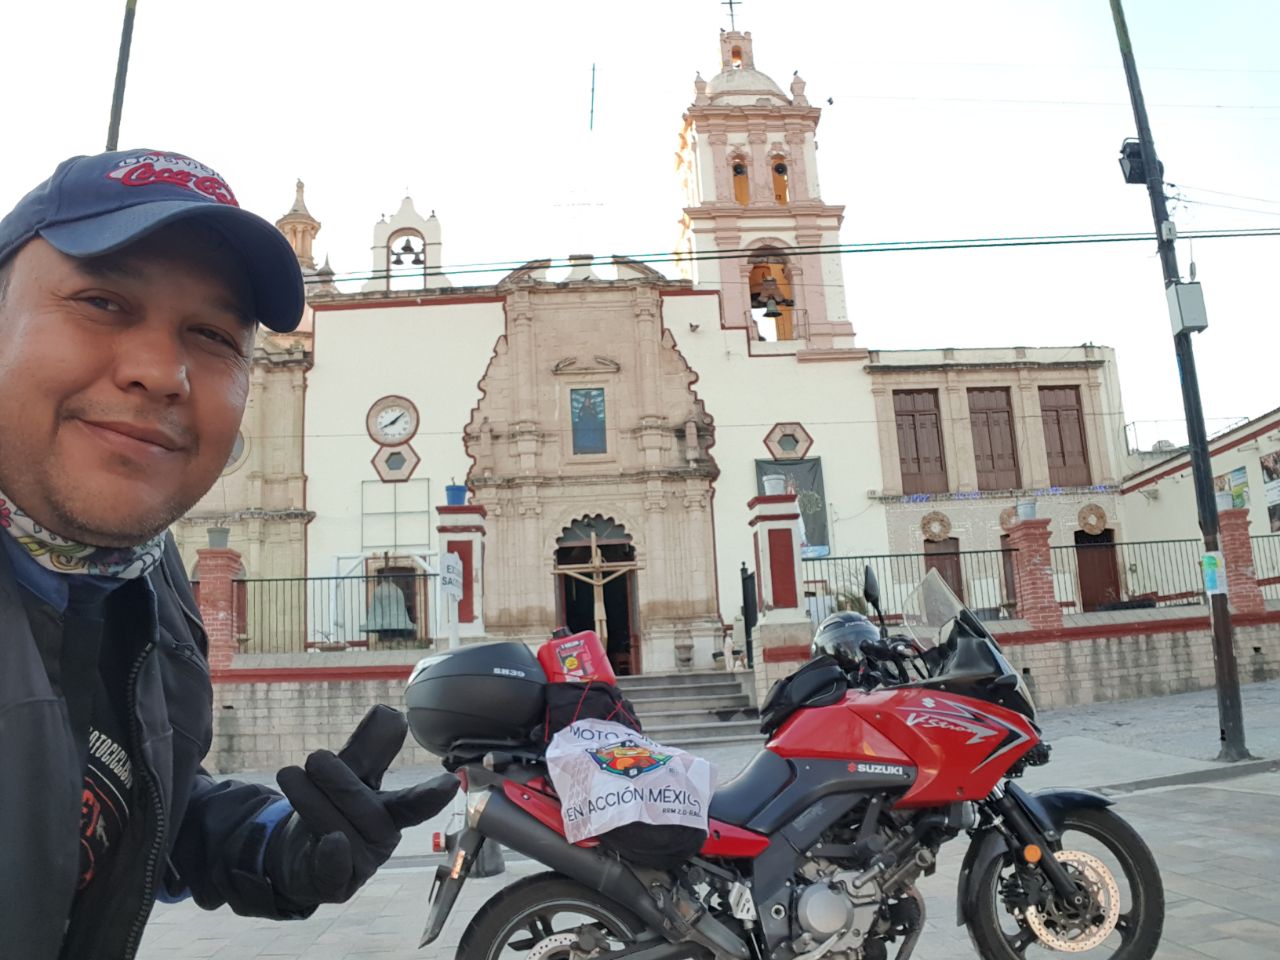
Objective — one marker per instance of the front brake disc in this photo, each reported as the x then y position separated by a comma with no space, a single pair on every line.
1075,931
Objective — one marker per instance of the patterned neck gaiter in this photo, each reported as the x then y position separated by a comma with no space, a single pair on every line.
66,556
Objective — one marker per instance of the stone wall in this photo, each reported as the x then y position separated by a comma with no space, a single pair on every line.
1151,661
264,726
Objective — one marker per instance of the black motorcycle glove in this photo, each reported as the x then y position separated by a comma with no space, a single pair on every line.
343,826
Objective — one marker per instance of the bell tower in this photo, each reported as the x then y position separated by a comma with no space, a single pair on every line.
755,225
300,228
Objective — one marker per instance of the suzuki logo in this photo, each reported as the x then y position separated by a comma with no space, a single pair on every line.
887,769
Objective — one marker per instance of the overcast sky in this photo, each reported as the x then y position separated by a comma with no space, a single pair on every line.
950,120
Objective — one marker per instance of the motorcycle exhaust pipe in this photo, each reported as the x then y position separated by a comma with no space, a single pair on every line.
491,813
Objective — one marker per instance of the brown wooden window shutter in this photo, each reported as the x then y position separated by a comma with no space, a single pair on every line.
1064,436
995,450
924,469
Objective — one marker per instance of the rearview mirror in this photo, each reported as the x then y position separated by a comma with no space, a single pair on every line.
871,588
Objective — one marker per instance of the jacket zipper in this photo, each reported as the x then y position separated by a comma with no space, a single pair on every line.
157,807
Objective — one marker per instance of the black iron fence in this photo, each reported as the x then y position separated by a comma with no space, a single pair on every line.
1266,564
983,579
1127,576
334,613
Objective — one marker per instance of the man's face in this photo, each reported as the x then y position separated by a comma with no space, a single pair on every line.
122,382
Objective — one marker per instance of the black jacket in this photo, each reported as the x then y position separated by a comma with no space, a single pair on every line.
187,832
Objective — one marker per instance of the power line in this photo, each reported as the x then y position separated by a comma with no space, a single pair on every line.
1220,193
1054,102
1178,198
884,246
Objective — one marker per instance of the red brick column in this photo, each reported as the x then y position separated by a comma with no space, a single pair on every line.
217,569
1033,574
1237,552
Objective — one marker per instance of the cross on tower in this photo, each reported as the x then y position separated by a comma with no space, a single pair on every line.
731,4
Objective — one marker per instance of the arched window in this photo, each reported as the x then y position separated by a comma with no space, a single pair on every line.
406,260
735,57
772,301
741,183
778,170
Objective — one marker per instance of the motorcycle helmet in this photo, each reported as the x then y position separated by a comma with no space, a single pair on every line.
840,637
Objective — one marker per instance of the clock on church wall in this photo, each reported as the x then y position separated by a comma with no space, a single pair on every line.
392,421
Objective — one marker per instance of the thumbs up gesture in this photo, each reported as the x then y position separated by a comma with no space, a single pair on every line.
344,826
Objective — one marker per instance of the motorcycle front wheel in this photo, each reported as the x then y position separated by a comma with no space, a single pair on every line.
542,917
1122,921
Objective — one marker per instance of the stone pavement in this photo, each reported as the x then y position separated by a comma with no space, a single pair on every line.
1214,829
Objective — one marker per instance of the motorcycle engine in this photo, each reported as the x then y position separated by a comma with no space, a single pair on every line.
833,917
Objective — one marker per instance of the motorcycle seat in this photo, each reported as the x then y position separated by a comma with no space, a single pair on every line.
746,794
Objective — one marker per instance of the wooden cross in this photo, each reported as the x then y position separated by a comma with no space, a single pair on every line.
597,572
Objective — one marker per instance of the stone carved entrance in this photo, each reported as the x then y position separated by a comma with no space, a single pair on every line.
595,568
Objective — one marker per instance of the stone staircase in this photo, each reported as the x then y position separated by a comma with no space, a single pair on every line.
695,708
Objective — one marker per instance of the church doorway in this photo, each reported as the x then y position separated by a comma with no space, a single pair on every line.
595,587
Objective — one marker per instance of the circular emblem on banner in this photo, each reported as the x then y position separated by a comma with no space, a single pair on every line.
1093,519
936,526
1008,517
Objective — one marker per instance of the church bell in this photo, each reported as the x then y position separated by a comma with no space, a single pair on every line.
388,616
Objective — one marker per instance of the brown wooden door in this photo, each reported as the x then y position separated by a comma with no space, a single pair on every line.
1099,575
944,556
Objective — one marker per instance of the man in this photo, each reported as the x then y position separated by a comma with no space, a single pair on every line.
131,284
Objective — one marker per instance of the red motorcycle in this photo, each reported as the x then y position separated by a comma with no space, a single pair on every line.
815,848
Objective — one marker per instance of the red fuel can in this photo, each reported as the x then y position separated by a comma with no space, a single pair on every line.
578,657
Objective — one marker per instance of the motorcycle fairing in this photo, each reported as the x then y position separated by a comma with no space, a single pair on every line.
1046,808
815,779
960,746
732,842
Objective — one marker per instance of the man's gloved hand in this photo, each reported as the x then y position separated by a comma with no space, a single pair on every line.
344,826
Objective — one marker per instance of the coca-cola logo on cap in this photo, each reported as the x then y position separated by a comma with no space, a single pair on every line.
175,170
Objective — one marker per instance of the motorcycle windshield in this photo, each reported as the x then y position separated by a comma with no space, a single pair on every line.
930,611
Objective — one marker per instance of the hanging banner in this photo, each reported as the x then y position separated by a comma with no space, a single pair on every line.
804,479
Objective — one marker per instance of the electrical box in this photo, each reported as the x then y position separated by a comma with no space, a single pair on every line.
1186,307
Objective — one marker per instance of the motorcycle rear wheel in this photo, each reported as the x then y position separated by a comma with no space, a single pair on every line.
998,934
531,918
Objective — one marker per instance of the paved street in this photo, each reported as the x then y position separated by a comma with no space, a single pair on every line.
1215,834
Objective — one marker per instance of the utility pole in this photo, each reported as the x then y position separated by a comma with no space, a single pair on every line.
1226,674
122,70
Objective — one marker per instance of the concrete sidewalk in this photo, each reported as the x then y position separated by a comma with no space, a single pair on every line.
1213,828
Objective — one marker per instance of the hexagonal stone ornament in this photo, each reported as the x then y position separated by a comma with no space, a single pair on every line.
396,464
788,441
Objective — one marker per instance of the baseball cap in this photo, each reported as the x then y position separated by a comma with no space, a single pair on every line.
96,205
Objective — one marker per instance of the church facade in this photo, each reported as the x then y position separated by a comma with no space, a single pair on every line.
610,424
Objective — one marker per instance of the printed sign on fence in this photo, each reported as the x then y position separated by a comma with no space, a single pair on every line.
609,775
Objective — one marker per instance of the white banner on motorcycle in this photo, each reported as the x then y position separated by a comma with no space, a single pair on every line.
608,775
